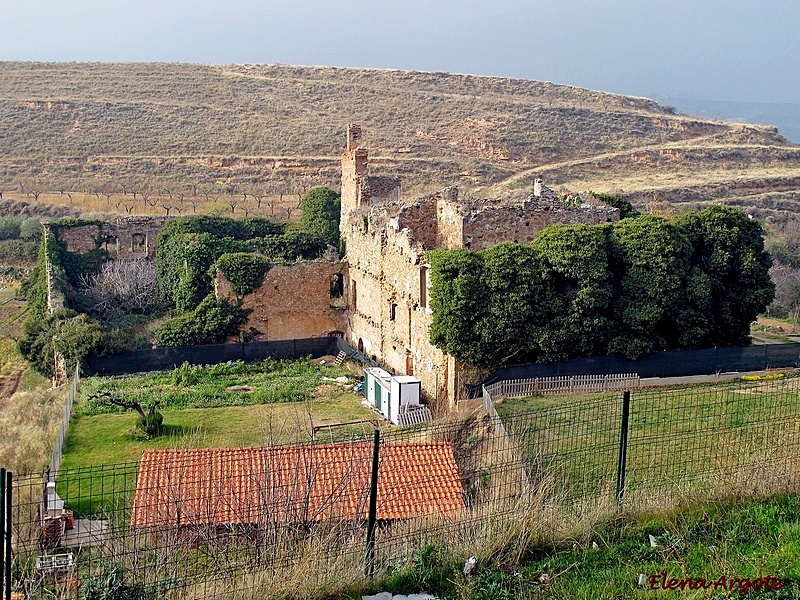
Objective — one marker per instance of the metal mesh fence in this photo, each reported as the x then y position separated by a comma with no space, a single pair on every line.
250,522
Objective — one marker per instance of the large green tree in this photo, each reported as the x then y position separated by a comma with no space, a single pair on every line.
321,208
649,261
578,322
459,300
642,284
729,282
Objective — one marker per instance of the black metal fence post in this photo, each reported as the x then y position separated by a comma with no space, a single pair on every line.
7,501
369,568
3,530
623,445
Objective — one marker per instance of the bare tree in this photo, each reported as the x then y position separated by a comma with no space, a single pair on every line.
30,190
787,291
122,286
166,206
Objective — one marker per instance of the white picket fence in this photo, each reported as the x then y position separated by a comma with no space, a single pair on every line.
560,385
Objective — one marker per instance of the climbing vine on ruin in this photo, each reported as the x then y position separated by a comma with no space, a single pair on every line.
245,271
645,283
189,246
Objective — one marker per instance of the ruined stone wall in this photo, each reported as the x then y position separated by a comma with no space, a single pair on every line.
450,218
79,240
295,301
521,223
134,237
126,238
379,190
420,218
389,312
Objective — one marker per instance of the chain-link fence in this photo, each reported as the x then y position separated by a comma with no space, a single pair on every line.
250,522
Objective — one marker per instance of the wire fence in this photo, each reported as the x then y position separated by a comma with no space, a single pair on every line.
58,449
253,522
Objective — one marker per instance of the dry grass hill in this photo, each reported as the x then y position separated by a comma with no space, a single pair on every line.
177,133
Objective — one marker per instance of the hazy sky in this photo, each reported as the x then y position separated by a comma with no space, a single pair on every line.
740,50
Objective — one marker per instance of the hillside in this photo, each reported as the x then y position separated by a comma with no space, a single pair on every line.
188,130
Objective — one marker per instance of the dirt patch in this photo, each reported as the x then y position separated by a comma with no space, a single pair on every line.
323,360
239,388
780,325
9,385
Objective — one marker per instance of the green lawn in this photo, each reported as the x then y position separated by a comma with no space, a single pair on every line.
676,436
109,438
228,405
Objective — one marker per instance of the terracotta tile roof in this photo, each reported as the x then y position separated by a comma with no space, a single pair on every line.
291,484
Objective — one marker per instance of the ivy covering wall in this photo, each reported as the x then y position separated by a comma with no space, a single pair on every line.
643,284
189,246
74,336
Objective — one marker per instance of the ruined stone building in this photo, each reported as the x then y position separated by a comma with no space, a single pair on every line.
125,238
377,295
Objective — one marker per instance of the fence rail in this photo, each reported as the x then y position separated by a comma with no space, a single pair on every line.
58,449
559,385
256,519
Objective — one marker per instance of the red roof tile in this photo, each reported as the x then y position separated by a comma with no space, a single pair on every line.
291,484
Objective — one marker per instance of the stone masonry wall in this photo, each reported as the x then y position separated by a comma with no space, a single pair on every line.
79,240
388,309
522,222
295,301
128,237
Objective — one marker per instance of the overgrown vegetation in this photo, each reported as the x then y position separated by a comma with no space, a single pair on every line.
645,283
212,322
30,418
194,386
321,208
189,246
67,332
191,249
229,404
245,271
722,543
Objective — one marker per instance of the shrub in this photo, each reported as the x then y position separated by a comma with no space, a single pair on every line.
152,422
30,229
210,323
9,228
245,271
18,252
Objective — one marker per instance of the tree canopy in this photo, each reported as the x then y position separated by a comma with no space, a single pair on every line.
321,210
642,284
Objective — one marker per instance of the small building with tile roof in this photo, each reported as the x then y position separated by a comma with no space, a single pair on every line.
293,484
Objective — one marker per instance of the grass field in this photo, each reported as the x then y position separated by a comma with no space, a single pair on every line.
721,543
225,405
109,438
718,433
